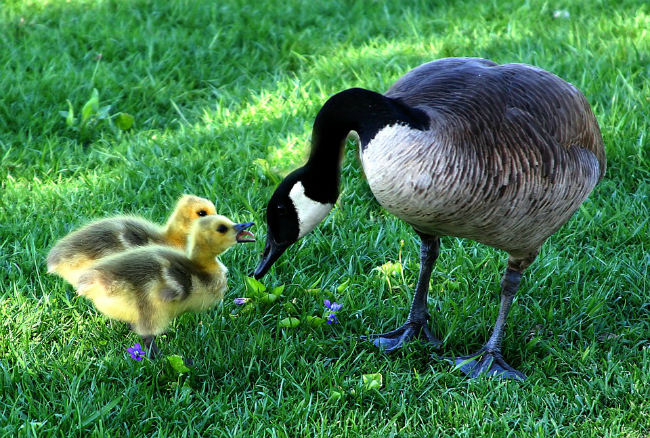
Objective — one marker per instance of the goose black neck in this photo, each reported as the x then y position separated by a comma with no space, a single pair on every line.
356,109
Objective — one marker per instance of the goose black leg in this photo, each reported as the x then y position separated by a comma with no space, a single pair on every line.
417,322
489,360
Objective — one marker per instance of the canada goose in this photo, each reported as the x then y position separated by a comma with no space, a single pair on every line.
79,249
149,286
500,154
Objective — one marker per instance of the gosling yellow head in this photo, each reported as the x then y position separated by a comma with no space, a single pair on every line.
188,209
211,236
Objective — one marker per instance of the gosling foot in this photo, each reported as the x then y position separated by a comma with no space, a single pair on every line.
490,364
150,347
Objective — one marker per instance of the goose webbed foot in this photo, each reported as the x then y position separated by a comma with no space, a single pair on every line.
488,363
394,340
488,360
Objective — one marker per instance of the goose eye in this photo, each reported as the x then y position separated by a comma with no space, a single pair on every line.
222,229
202,213
281,209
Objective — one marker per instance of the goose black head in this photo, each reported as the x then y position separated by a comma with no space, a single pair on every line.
292,212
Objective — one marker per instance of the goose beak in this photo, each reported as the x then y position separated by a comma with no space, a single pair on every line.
272,252
244,236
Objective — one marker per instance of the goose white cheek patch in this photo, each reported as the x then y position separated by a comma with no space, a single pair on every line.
310,212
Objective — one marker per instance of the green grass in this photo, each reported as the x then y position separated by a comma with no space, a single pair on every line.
223,95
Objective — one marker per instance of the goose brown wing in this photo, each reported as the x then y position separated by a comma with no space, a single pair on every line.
556,106
472,100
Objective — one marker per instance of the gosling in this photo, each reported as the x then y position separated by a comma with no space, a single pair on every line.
77,251
148,287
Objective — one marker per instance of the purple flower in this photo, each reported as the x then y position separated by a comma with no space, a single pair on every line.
136,352
332,319
334,307
241,301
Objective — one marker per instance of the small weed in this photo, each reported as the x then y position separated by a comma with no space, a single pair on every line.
258,298
92,117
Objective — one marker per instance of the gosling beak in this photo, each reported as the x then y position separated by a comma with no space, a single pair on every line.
244,236
272,251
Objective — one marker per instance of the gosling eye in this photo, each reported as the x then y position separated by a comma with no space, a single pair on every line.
222,229
202,213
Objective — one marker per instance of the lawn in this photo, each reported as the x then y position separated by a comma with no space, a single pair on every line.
222,96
